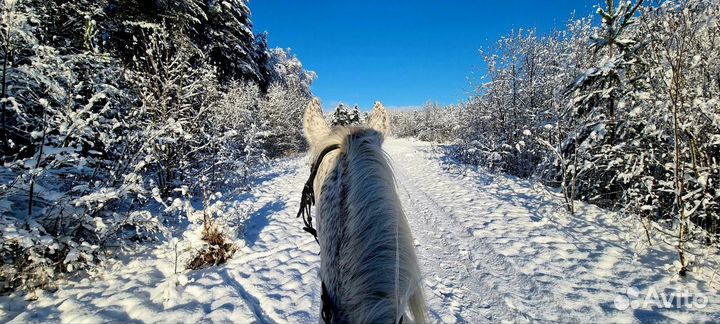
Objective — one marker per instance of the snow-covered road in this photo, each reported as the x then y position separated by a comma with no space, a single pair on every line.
492,249
496,249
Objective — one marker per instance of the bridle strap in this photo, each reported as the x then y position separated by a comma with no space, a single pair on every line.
307,200
326,313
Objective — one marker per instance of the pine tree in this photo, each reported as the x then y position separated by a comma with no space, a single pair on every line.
340,116
355,116
227,37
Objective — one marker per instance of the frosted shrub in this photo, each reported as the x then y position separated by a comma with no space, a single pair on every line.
623,114
110,116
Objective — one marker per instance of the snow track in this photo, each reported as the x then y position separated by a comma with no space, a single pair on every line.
492,249
496,290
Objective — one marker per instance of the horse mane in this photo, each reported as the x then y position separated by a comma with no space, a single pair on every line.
368,257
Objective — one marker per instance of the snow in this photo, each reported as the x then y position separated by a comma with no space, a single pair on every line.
492,248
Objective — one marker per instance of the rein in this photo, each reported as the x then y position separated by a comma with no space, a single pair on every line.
307,200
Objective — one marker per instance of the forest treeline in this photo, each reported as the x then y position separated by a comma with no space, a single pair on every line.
123,120
624,114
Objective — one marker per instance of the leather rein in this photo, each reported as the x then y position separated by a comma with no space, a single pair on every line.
307,200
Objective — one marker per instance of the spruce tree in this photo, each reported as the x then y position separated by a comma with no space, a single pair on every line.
341,116
227,37
599,100
355,116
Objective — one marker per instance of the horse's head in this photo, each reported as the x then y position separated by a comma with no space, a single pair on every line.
319,134
328,145
368,269
328,148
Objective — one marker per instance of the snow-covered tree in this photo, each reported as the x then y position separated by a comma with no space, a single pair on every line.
227,38
623,114
355,118
341,116
286,70
113,111
282,112
430,123
679,164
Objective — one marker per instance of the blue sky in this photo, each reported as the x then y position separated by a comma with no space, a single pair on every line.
401,52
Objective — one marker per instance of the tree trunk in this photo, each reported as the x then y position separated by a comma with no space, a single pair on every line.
3,131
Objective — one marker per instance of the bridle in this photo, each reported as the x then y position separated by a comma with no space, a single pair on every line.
307,200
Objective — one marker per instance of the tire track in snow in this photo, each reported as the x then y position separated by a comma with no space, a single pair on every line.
506,293
449,256
462,264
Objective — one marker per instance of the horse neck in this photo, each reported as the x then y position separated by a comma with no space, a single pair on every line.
366,247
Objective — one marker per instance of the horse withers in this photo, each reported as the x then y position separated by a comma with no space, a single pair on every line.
369,271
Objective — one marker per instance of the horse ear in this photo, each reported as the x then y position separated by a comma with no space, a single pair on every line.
379,119
316,128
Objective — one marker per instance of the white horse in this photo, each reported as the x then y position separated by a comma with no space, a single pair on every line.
369,270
